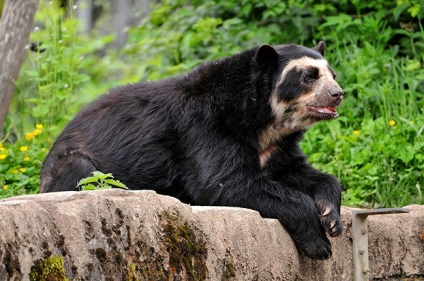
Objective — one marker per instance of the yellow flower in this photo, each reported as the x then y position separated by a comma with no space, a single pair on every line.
3,156
43,149
356,132
23,148
5,187
39,126
23,170
29,136
26,159
392,123
37,132
15,172
2,148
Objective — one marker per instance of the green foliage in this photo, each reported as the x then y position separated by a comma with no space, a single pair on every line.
379,164
98,181
20,163
375,148
49,79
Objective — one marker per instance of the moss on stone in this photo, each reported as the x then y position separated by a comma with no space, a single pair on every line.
132,273
145,263
229,270
187,252
50,268
182,252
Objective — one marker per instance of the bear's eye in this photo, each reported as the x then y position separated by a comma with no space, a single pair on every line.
311,75
308,78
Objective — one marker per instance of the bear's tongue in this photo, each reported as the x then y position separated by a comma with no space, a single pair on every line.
331,108
326,109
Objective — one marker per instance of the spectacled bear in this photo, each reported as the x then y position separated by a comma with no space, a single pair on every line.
225,134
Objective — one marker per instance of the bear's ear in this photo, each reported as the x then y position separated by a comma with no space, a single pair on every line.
266,55
320,48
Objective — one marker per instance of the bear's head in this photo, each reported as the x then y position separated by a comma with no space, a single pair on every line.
304,89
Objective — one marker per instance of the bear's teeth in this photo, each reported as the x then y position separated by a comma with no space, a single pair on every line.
324,110
330,108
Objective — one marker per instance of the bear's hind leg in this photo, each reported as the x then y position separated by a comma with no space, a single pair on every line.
64,173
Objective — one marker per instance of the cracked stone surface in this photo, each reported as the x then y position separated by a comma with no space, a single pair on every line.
140,235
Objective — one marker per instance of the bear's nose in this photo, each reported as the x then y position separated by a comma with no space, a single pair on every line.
336,93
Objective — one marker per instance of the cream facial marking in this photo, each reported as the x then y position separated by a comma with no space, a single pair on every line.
304,63
289,118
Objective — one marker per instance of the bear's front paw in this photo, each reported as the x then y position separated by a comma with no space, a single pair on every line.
317,248
331,221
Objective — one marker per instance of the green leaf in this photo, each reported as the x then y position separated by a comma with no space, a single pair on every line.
116,183
414,10
87,181
407,154
89,187
230,22
101,175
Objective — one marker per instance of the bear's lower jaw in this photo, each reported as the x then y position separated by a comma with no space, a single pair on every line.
323,113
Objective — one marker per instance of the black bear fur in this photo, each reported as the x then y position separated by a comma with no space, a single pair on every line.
196,137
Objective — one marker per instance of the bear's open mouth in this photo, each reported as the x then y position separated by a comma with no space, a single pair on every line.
326,112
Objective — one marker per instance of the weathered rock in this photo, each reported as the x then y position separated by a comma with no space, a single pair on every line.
139,235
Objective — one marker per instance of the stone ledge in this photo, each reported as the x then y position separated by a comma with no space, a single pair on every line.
140,235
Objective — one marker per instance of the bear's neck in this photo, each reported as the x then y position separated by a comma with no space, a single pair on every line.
235,90
228,77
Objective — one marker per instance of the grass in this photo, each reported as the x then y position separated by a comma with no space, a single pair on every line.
376,147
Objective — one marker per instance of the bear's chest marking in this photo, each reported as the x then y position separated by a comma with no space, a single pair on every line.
266,154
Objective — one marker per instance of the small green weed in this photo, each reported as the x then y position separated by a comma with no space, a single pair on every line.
98,181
